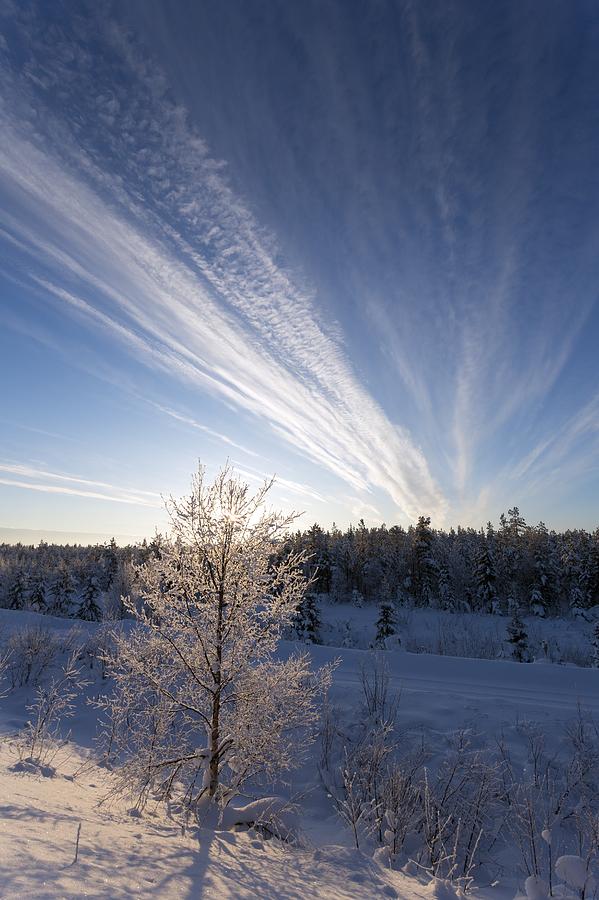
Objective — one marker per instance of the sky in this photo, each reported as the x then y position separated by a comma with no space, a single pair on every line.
352,244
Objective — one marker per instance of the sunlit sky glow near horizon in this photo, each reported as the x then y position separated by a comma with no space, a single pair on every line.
352,244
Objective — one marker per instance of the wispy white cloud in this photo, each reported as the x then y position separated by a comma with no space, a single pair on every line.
34,430
295,487
366,511
74,485
139,235
571,448
190,283
198,426
487,307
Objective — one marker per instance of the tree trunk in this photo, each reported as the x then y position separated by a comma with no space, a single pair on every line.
215,721
214,742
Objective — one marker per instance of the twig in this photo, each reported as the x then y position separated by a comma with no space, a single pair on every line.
77,844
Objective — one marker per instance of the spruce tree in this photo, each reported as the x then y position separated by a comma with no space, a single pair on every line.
61,591
385,626
575,565
308,620
579,599
518,638
319,562
17,591
89,609
446,595
424,568
484,577
594,568
537,602
541,590
595,646
110,565
37,594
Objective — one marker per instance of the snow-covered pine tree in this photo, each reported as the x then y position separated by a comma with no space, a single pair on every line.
201,702
357,598
17,591
37,593
348,638
424,568
307,623
344,563
446,594
61,592
594,568
510,545
89,609
576,570
110,565
541,583
518,638
595,646
386,622
537,602
576,597
485,577
317,548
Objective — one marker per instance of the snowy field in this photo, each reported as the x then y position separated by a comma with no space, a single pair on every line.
120,856
442,698
473,635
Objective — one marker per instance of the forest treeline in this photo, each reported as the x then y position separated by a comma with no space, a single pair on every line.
497,569
492,570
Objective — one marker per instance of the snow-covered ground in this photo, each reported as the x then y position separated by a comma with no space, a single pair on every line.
473,635
122,855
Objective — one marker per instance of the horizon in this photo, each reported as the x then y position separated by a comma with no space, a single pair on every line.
351,245
32,537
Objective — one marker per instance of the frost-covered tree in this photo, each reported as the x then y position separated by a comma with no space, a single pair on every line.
576,570
446,593
61,592
109,565
594,568
344,565
595,646
89,608
485,577
537,601
424,567
308,619
542,588
518,638
37,593
17,591
317,547
511,541
201,701
386,622
385,626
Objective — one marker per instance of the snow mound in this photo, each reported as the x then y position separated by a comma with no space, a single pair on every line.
573,870
536,888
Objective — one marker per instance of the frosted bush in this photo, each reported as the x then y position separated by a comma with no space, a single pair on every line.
40,740
31,652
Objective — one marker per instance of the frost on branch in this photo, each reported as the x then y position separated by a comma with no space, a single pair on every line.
201,703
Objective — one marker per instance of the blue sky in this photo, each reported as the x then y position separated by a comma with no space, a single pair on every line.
352,244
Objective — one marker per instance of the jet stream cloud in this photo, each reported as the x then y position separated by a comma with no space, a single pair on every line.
80,487
204,301
367,264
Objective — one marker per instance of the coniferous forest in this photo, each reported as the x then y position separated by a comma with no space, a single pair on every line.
499,569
